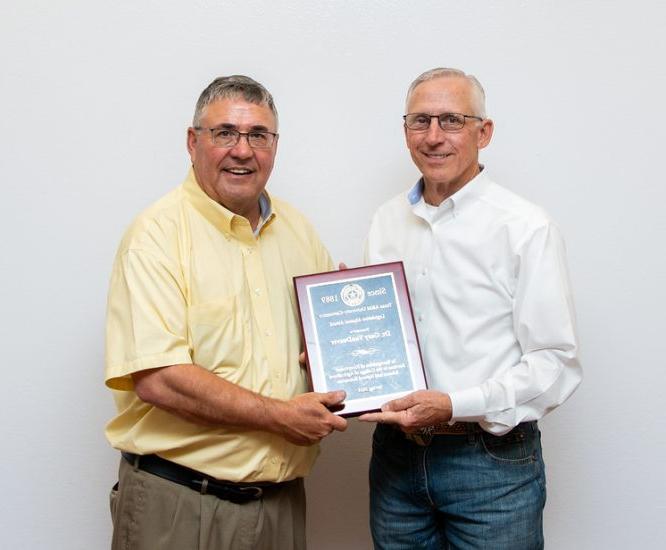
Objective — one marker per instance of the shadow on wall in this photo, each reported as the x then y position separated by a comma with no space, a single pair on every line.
338,491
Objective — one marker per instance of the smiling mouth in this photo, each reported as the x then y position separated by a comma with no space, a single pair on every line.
437,156
238,171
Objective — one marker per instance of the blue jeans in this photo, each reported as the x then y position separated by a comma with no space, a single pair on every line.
461,492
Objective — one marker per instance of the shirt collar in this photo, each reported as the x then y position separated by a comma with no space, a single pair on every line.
468,194
265,212
219,216
415,193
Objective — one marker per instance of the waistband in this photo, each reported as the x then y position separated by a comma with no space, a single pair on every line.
425,435
239,493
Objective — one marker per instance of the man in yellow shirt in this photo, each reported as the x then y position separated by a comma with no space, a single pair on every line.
215,428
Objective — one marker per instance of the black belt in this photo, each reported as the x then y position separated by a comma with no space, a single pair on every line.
239,493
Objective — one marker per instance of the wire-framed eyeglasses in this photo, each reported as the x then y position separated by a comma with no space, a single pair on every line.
449,122
229,137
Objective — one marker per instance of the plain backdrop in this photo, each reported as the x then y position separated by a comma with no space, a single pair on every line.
95,100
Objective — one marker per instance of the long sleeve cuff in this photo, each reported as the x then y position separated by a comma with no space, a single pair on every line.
467,405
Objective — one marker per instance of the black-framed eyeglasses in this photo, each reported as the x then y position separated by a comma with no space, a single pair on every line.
449,122
228,137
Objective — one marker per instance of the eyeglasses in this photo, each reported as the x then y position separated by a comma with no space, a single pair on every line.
449,122
228,137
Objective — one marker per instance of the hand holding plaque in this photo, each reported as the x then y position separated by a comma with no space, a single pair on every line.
360,336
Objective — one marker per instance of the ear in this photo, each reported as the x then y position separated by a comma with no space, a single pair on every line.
192,138
485,133
404,129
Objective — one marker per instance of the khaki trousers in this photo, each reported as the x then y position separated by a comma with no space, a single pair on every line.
151,513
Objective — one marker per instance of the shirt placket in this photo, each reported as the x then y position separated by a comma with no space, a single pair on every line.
261,311
420,276
424,291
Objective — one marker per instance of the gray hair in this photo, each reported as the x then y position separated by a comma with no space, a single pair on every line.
233,86
479,96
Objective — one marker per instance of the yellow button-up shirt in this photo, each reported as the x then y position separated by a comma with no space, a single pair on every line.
192,283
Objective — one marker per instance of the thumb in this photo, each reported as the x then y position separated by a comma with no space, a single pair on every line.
342,266
332,398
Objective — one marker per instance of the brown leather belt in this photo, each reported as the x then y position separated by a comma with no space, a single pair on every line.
424,436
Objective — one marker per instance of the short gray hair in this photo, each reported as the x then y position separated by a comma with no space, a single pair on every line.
479,99
233,86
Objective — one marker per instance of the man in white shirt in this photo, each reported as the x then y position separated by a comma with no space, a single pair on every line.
459,465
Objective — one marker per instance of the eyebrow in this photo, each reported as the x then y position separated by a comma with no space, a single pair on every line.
255,128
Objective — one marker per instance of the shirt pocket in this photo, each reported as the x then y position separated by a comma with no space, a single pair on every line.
220,334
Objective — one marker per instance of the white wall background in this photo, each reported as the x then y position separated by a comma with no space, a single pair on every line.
94,101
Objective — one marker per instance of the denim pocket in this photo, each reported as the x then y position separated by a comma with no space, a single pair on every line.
519,446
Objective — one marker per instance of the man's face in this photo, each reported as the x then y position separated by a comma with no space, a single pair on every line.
447,160
233,176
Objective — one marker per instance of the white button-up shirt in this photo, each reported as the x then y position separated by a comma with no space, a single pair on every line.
492,303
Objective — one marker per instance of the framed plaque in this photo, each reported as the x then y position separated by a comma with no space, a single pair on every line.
360,336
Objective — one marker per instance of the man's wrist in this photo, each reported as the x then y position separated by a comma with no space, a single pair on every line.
447,408
275,414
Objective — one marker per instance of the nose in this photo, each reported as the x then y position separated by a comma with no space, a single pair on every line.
242,148
435,134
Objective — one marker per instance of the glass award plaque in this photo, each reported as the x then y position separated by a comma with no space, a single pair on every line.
360,336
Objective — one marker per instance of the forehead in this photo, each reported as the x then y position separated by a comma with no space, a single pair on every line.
444,94
238,112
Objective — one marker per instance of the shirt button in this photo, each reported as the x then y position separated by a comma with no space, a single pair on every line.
268,333
424,272
257,291
420,318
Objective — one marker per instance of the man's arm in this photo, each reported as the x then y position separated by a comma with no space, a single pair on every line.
548,371
193,393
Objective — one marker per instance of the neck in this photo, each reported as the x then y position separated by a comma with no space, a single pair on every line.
435,193
254,218
251,213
